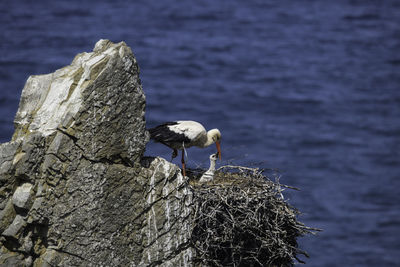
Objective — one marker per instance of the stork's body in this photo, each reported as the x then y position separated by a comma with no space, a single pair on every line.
180,135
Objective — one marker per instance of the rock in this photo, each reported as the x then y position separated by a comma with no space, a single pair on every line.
7,156
7,177
28,261
91,101
48,259
11,259
74,169
167,229
7,215
27,243
15,228
22,197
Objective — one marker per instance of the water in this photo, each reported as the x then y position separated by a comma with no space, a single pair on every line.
309,87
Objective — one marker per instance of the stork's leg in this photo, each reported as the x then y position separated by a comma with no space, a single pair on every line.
183,163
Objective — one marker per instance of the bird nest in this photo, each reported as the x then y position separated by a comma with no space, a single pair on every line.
242,219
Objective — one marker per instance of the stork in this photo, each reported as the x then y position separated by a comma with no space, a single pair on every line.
180,135
209,174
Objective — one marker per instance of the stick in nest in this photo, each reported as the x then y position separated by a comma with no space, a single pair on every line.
241,219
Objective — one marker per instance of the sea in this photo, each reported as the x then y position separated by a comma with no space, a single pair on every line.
309,88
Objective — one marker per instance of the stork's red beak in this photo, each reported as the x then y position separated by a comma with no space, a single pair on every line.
219,149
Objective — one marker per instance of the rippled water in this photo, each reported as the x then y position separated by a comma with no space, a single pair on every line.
309,87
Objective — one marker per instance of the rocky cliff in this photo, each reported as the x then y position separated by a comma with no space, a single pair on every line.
74,188
76,191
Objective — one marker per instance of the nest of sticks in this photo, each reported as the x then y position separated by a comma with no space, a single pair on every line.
242,219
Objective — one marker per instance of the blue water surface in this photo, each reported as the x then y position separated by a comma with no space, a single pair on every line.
309,87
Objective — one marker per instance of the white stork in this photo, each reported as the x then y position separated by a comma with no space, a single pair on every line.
183,134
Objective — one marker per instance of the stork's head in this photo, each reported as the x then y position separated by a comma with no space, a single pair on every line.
214,156
215,135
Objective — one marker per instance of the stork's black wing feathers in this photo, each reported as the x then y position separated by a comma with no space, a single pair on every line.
167,137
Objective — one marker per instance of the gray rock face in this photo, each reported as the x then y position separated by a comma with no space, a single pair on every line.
97,100
15,228
74,190
22,197
167,230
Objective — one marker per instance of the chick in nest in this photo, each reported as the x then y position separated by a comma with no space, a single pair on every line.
209,174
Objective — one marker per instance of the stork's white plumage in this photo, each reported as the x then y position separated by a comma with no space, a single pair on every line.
209,174
180,135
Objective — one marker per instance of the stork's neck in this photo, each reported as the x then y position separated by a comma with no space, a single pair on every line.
212,165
